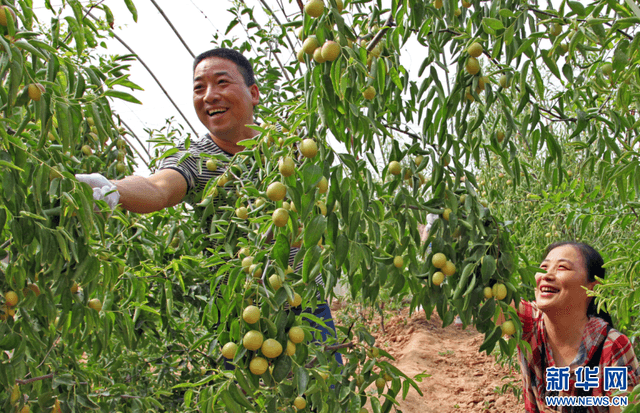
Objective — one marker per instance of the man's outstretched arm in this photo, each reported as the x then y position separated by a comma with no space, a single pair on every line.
138,194
163,189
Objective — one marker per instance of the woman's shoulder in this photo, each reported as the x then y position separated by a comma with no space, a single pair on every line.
617,351
617,346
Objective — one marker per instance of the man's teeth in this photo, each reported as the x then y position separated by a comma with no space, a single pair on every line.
214,111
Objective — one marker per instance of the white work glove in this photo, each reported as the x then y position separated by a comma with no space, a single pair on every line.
103,189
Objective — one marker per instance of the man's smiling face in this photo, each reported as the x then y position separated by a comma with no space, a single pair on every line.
222,100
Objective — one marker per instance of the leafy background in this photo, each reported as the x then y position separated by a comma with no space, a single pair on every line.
547,152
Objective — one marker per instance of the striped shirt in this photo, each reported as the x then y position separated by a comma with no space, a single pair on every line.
192,166
616,351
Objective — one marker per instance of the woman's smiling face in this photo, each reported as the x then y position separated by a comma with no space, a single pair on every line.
562,287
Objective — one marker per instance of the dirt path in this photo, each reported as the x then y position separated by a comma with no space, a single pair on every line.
462,379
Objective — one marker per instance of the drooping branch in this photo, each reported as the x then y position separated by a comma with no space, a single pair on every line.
173,28
284,71
136,150
91,7
266,6
139,141
151,73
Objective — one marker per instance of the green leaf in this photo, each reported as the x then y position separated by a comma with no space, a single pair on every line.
281,251
10,165
551,64
243,382
229,402
487,310
508,34
302,379
282,368
314,231
490,340
634,7
239,397
10,341
494,24
525,46
231,25
576,7
78,34
311,175
132,9
393,73
488,268
63,379
311,258
23,44
32,216
381,76
506,13
342,248
122,95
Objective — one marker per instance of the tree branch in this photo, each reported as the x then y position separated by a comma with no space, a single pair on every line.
604,103
338,346
329,348
49,352
139,141
410,134
558,118
134,148
31,380
545,13
380,310
91,7
387,25
260,28
173,28
266,6
348,332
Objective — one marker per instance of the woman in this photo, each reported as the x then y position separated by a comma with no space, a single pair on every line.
564,330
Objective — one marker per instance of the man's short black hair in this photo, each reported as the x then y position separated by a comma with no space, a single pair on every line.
244,67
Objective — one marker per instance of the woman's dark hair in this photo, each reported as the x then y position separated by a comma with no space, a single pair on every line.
594,264
244,67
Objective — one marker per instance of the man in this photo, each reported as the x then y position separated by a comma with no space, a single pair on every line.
224,97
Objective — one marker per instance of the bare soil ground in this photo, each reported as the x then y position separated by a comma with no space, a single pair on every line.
463,380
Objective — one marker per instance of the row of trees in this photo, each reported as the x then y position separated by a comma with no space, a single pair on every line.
520,118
